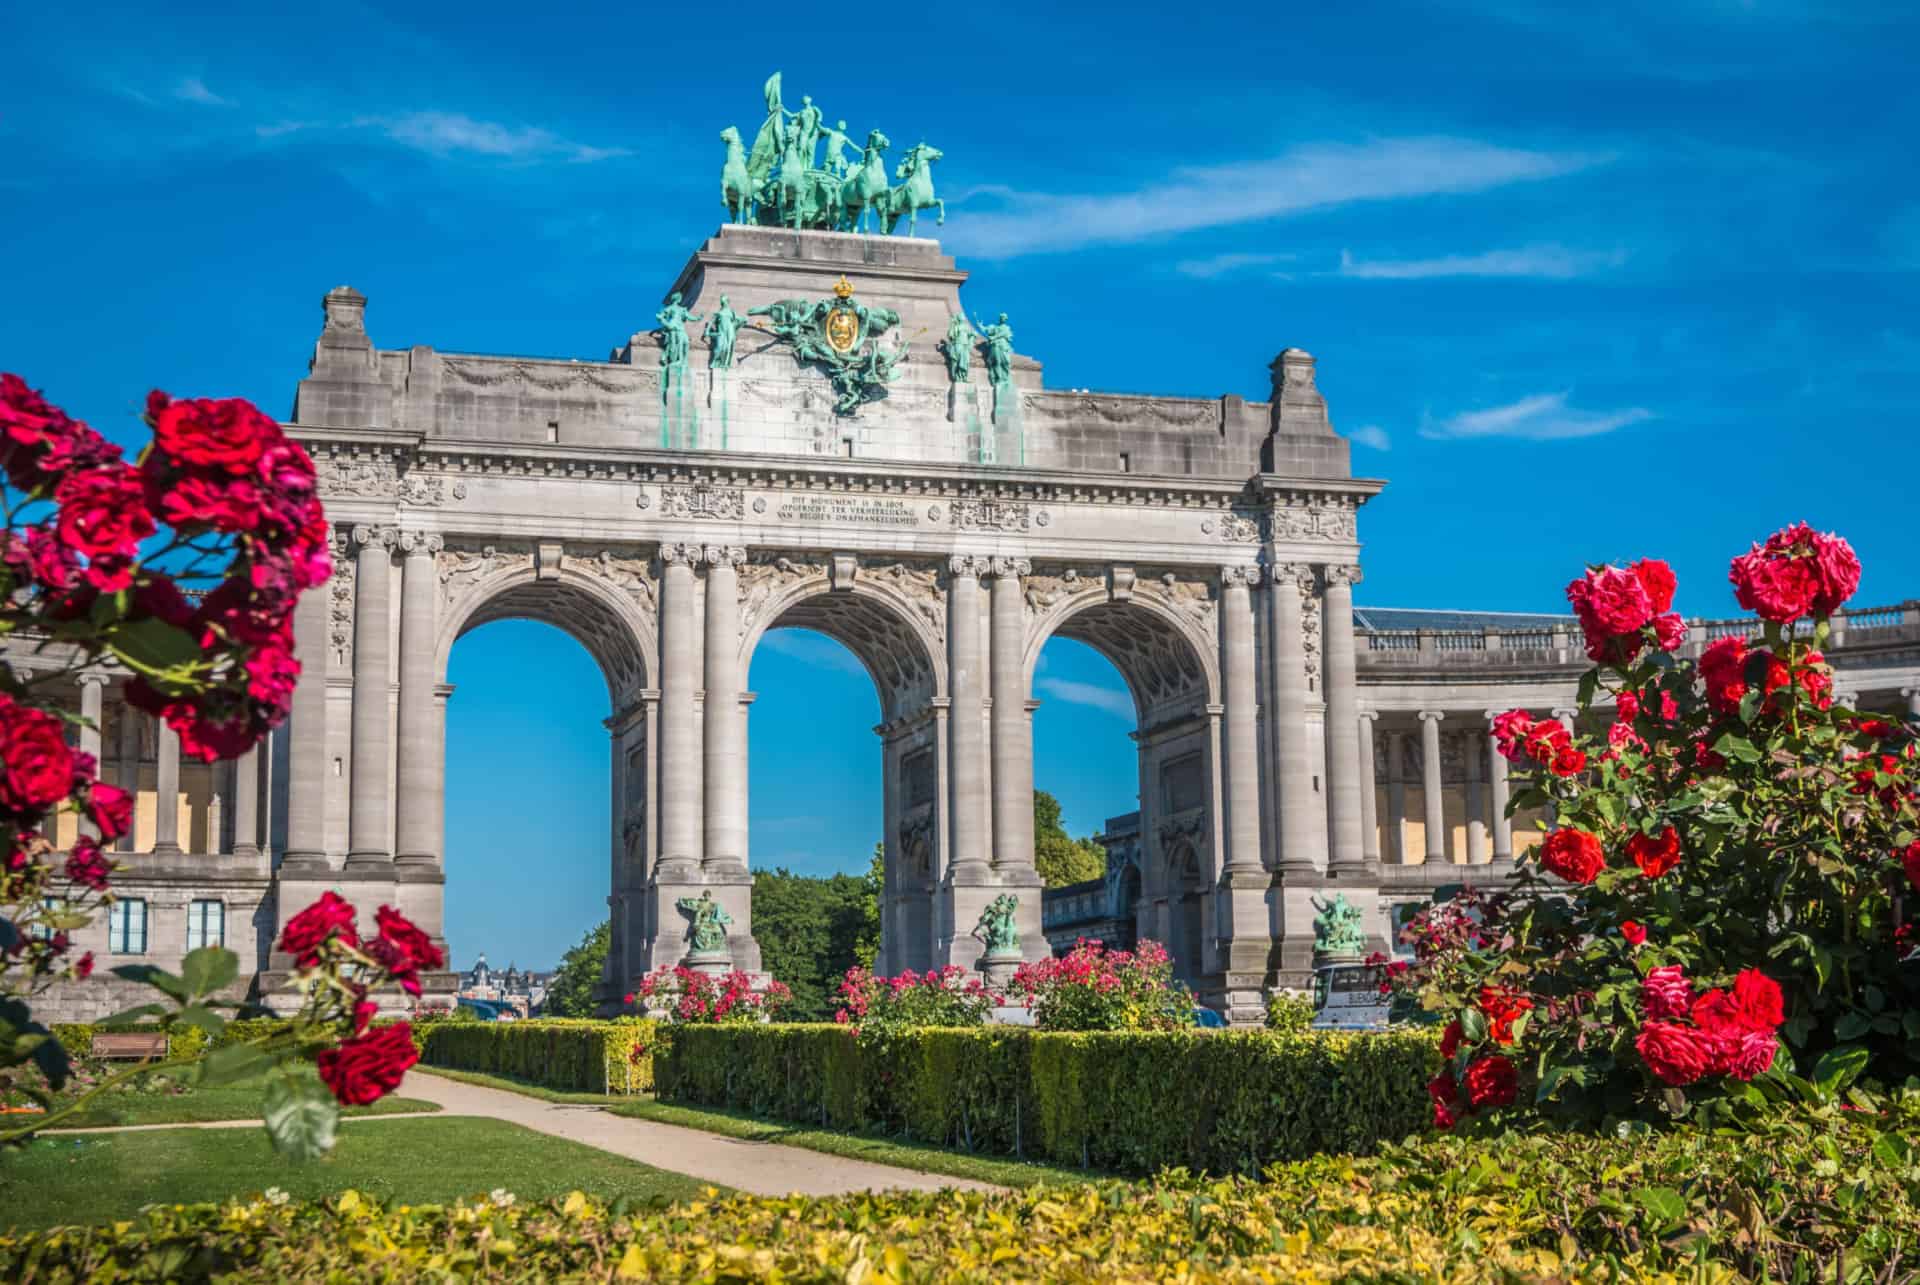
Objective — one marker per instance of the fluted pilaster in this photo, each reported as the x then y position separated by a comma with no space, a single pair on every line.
369,844
725,778
422,765
1012,735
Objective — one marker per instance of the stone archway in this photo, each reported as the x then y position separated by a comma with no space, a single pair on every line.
1158,631
890,617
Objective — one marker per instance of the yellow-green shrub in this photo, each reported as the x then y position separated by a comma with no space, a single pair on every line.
1226,1102
578,1055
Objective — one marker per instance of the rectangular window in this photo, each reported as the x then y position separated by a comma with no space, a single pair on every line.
54,904
206,924
127,931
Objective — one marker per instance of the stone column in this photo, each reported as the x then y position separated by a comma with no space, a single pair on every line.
1568,716
1497,774
679,734
422,769
1436,818
724,781
1369,801
129,767
1476,814
1349,777
166,790
1396,797
92,711
1011,734
1241,699
1287,685
246,804
966,765
307,738
369,844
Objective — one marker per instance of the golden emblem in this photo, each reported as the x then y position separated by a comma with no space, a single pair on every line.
843,323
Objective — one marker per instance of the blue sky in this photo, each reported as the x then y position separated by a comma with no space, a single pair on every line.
1583,284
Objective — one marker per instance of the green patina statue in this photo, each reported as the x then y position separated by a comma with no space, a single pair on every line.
673,318
708,932
1336,929
843,335
996,929
999,337
779,182
719,334
958,347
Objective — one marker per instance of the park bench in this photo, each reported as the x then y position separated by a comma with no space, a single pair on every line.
127,1045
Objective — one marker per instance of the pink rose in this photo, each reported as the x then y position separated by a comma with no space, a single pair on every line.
1666,992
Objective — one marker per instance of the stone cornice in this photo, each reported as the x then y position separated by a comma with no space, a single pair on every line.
870,476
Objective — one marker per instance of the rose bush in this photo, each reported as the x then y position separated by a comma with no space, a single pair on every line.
686,996
183,569
1091,988
1723,915
949,996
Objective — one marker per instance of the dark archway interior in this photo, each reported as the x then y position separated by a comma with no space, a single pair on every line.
605,636
1158,663
890,650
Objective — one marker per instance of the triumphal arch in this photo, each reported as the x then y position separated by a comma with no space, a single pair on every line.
818,432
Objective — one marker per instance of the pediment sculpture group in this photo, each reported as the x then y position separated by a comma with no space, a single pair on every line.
785,181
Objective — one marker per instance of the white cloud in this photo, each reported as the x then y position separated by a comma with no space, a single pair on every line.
1553,262
445,133
1371,435
1543,417
1312,176
194,90
1220,264
1106,699
812,649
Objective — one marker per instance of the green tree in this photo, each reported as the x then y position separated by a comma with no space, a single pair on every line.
1062,860
811,930
570,994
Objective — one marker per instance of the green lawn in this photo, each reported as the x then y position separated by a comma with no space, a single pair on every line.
97,1178
854,1146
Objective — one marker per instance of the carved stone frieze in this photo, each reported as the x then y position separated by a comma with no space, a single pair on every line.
627,572
1192,597
991,515
1310,637
1309,522
340,603
1050,589
1234,528
1189,827
429,492
461,568
765,574
371,477
918,583
702,501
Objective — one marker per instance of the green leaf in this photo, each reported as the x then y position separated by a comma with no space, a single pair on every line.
153,647
1838,1067
1473,1026
1734,746
301,1116
1893,1151
201,1016
1589,683
232,1064
158,978
208,969
1851,1026
1664,1203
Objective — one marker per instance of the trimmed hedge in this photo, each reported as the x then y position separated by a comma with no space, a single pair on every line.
1130,1102
1833,1203
574,1054
186,1041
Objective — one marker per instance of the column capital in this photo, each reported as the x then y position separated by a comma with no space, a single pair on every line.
1431,715
1371,715
366,534
1240,576
92,678
1299,575
680,555
970,565
1495,713
1566,715
1339,573
732,555
421,544
1010,568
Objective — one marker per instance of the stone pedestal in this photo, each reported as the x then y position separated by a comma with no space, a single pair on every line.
1242,912
999,970
1295,911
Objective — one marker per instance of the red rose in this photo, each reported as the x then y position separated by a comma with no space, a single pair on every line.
1491,1081
103,513
1675,1054
1446,1100
1666,992
1626,707
189,503
1510,733
110,808
1501,1006
402,949
1715,1013
271,674
1758,1000
1749,1054
83,966
1573,855
1611,605
368,1067
1634,931
1669,631
1568,762
307,931
1839,572
1450,1040
1910,861
87,867
1655,854
36,767
226,434
1657,578
1775,586
1723,670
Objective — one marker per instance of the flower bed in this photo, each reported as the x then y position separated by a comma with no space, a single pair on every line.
1124,1101
1822,1203
580,1056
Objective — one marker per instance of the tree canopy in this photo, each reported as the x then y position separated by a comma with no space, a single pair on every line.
570,993
1062,860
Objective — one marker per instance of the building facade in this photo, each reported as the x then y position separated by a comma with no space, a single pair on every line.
810,458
